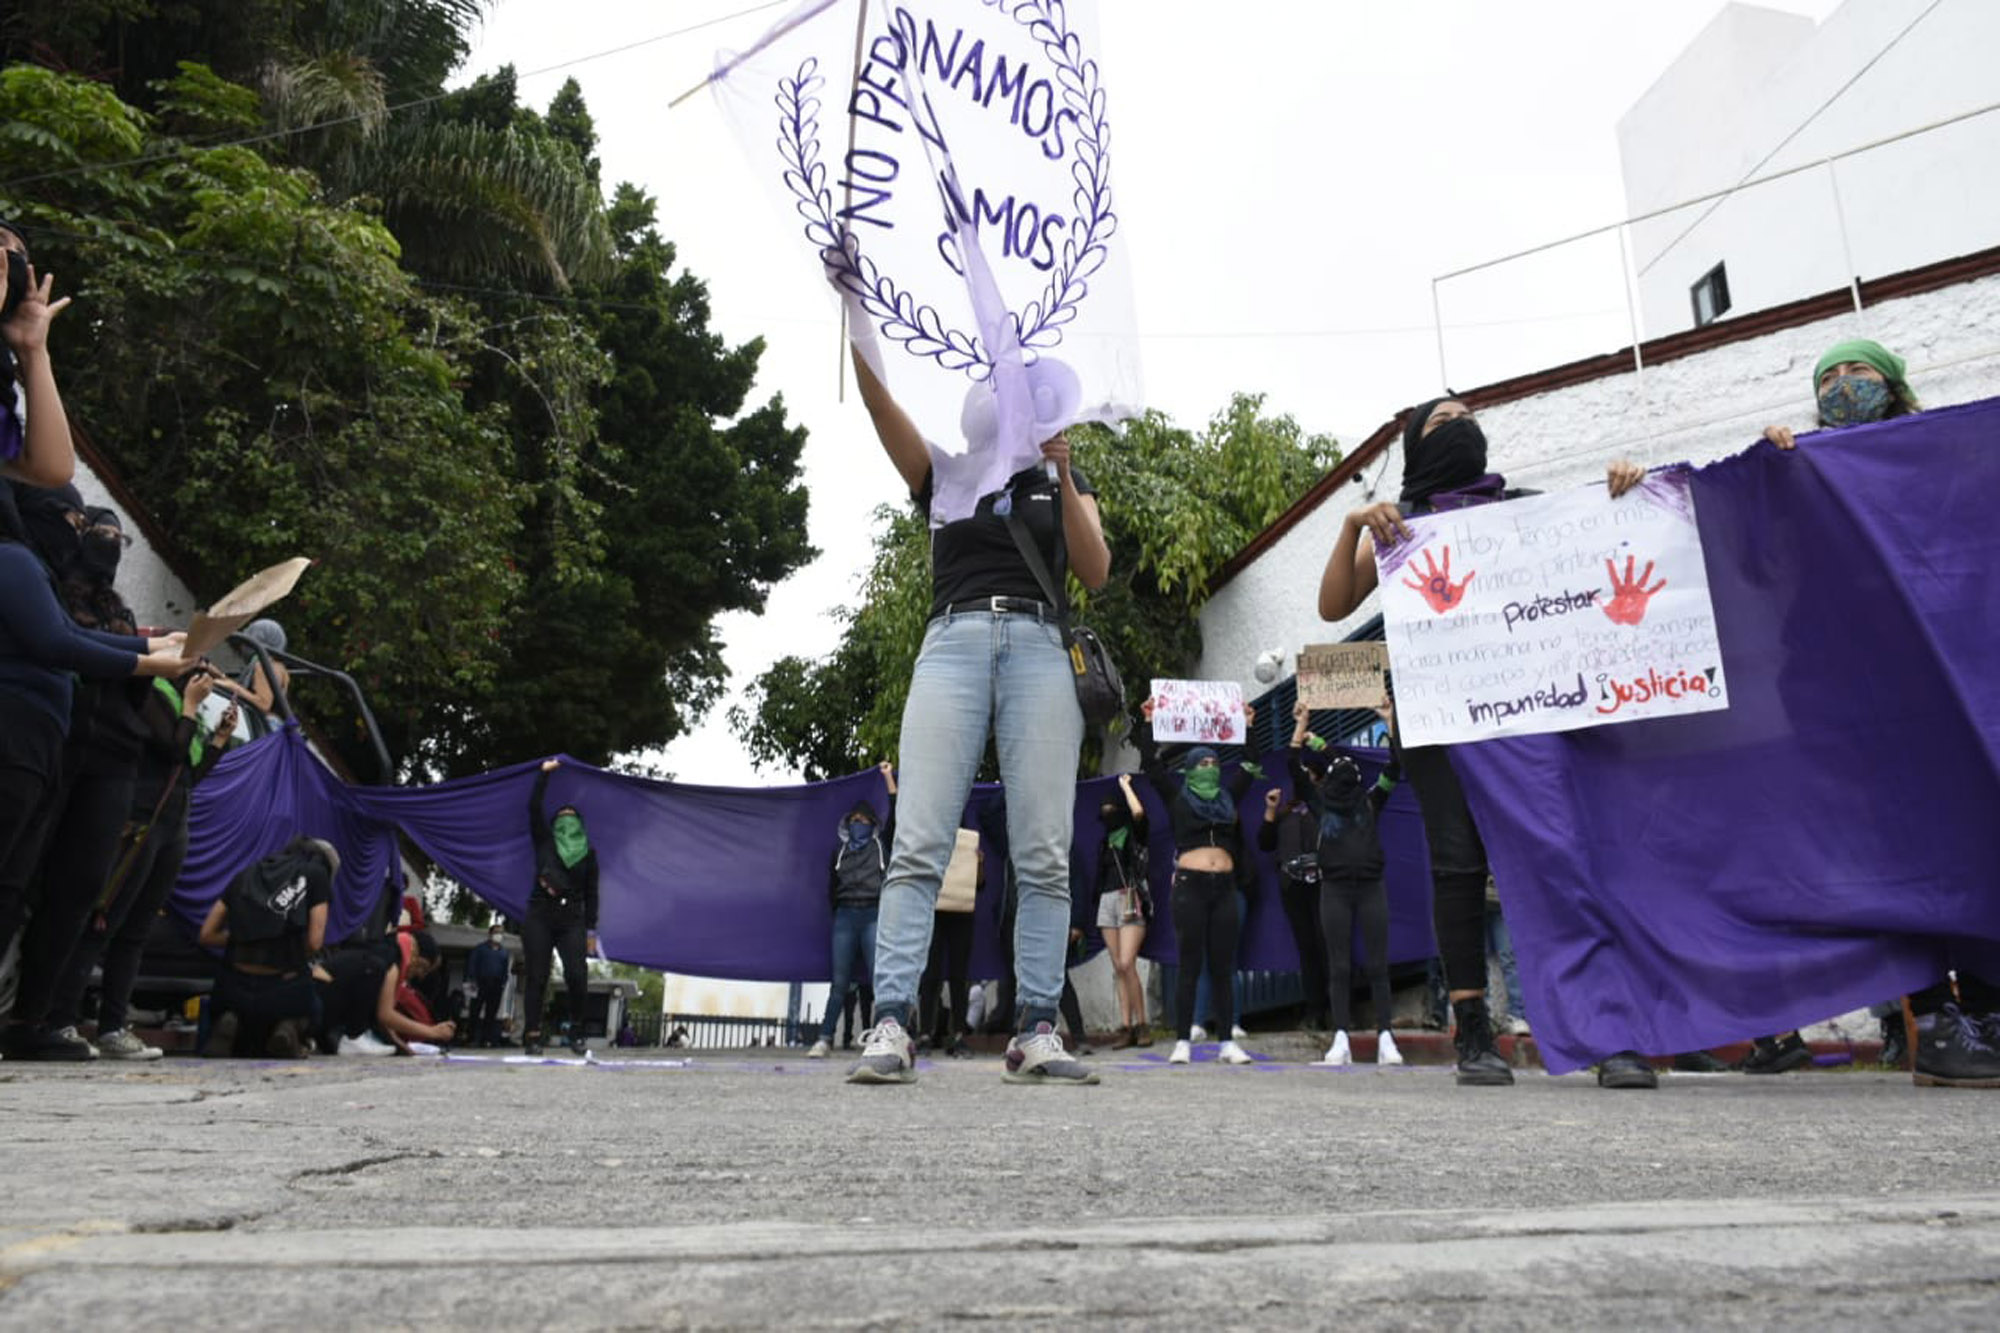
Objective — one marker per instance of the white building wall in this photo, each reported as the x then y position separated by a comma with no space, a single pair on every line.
1696,409
1754,77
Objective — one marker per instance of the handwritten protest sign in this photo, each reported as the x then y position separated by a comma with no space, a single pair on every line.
1343,675
241,606
1209,712
1551,613
949,165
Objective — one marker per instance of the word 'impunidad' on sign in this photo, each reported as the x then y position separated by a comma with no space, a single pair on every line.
1550,613
1344,675
1206,712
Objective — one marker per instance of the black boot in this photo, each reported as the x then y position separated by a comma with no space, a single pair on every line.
1480,1064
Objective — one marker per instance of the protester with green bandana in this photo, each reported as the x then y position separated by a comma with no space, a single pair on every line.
1208,847
1856,382
562,911
1124,906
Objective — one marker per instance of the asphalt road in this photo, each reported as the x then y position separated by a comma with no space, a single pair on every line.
730,1192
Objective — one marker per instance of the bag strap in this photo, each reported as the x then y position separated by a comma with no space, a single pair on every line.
1017,528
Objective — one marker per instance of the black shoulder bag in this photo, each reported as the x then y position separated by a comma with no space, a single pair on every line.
1099,691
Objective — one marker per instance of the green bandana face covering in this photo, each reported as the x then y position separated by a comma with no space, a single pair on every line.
572,844
1205,782
1118,837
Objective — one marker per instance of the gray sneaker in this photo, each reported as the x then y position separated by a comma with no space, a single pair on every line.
1039,1057
887,1056
122,1045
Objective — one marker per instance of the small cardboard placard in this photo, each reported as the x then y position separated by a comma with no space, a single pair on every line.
242,605
1344,675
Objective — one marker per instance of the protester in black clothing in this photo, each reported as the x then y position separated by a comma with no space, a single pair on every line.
1444,466
562,911
42,651
944,992
1208,847
100,764
487,968
1124,901
269,923
358,989
1288,832
179,752
854,878
1338,841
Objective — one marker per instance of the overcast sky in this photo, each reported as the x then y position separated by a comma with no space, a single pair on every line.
1292,174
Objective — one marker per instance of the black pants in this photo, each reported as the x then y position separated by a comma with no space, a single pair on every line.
1072,1010
1458,866
30,768
349,1001
486,1013
559,930
1206,926
117,935
82,847
1300,899
950,962
259,1002
1342,903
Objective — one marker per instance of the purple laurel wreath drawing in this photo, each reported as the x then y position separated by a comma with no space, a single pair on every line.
902,317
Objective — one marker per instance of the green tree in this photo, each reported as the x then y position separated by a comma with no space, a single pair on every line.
1176,506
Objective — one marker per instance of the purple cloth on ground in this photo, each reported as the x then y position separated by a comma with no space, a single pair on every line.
1828,841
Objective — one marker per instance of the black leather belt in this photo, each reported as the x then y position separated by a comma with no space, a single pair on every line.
1004,606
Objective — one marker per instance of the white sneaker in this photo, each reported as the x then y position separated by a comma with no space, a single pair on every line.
122,1045
1197,1033
819,1050
367,1044
1385,1049
1339,1054
1515,1027
1232,1054
1182,1053
887,1055
1236,1033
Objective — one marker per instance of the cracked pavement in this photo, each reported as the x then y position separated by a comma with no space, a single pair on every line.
736,1192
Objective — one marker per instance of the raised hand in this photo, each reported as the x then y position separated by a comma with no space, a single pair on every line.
27,329
1272,799
1435,583
1629,595
551,765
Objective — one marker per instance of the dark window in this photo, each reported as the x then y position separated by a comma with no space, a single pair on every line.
1710,296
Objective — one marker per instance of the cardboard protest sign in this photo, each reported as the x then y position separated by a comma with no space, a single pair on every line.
1344,675
1551,613
1207,712
242,605
949,166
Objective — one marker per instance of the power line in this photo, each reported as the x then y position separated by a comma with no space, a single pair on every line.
146,159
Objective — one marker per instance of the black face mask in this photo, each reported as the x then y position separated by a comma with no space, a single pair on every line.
17,285
1341,787
1451,456
98,560
45,519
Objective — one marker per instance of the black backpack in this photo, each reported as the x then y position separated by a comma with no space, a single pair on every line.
271,899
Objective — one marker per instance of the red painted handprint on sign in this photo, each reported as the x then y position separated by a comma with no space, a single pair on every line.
1435,583
1629,596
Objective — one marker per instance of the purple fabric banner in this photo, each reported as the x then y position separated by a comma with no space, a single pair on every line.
1829,841
711,881
259,798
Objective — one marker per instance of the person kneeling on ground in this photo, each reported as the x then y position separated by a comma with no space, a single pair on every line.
268,922
360,989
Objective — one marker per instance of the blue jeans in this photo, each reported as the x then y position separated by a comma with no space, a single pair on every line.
1010,672
1500,944
853,941
1204,992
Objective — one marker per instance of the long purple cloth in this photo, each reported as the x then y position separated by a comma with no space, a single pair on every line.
1830,841
718,882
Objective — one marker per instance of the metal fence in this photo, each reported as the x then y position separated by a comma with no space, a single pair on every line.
711,1032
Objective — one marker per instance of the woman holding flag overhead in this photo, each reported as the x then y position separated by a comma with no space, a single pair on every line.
562,911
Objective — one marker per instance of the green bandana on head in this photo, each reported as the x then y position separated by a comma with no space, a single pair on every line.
572,844
1205,782
1869,353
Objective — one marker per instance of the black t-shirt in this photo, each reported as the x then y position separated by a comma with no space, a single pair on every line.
287,952
976,557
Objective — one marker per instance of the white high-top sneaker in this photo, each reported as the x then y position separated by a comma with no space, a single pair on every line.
1232,1054
1340,1054
1385,1049
1183,1053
